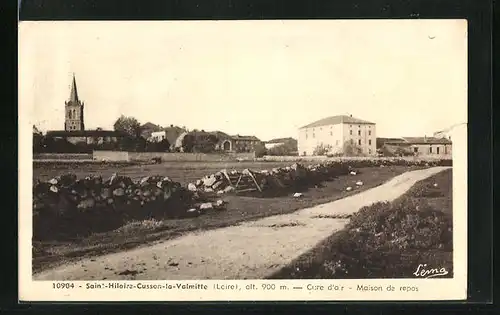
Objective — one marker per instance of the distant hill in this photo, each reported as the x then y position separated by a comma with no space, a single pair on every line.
282,140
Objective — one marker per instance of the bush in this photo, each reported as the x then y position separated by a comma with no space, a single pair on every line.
351,149
403,224
162,146
260,150
383,240
322,149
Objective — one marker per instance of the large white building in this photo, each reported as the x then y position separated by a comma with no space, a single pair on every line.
338,133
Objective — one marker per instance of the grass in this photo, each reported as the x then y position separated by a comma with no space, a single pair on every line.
239,208
183,172
387,240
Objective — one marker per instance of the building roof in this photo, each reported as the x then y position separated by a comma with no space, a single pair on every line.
426,140
245,138
415,140
221,135
334,120
391,140
150,125
85,133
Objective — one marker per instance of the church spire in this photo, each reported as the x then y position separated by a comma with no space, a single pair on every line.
74,93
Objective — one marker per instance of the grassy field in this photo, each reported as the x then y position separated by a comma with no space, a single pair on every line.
387,240
183,172
239,209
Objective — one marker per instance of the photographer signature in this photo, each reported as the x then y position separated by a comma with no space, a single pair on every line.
422,272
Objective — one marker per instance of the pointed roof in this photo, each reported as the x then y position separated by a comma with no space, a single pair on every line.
74,92
334,120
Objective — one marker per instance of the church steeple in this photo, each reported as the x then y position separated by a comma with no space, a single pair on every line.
73,98
74,110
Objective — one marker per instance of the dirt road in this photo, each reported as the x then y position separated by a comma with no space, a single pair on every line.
251,250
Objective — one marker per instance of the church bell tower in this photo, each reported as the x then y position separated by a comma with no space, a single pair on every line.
74,111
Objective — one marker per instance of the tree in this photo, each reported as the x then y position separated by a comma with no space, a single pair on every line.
202,142
289,147
132,128
351,149
403,152
128,125
162,146
322,149
188,142
260,150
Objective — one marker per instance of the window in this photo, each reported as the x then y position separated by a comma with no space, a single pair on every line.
445,150
352,141
415,150
359,132
369,142
331,133
437,149
369,151
350,132
359,126
430,149
70,116
314,136
369,132
359,142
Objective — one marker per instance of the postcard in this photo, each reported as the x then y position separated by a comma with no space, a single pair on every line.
271,160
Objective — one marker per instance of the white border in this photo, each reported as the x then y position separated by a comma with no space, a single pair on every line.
428,289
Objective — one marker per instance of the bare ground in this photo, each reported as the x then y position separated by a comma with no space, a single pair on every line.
250,250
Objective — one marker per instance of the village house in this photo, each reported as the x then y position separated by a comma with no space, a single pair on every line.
148,129
242,143
336,133
170,133
74,124
224,143
417,146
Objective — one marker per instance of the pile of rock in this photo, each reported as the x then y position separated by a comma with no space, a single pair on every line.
295,177
66,200
219,182
274,181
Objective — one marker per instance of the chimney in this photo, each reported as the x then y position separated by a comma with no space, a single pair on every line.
171,125
425,138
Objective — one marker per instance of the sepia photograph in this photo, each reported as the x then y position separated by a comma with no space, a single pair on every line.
244,150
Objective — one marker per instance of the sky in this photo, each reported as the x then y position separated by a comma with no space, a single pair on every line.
262,78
